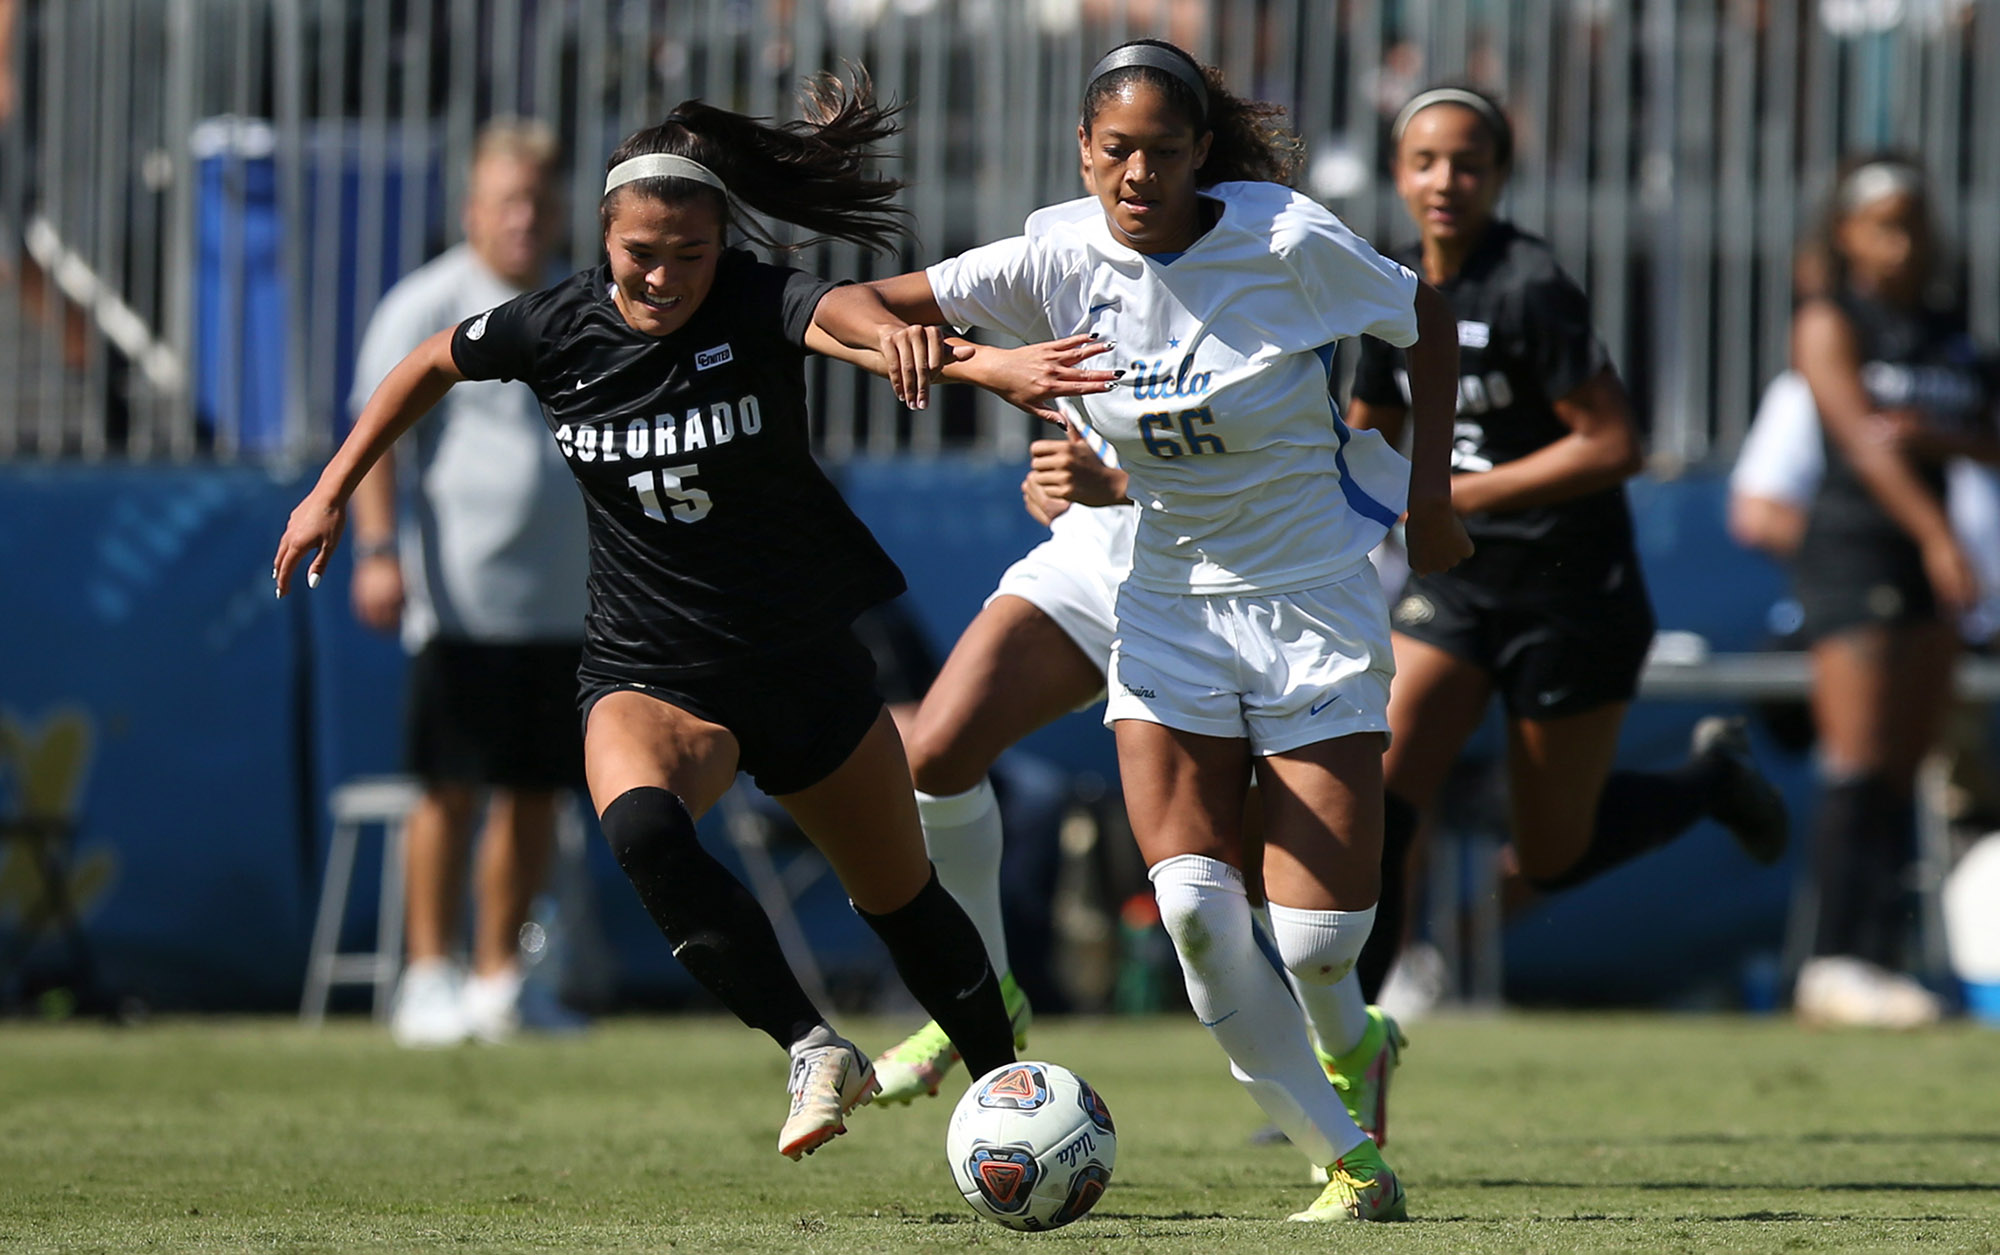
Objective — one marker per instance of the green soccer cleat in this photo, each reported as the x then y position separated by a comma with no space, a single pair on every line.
1362,1074
917,1065
1359,1187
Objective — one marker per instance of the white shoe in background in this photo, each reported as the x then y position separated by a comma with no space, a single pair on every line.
427,1013
1840,989
1415,983
491,1005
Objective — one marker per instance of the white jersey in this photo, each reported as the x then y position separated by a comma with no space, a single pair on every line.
1247,477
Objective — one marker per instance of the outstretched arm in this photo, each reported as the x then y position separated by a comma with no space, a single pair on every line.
417,383
1030,377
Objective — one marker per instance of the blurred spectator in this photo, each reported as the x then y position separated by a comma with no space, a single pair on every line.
1880,576
473,542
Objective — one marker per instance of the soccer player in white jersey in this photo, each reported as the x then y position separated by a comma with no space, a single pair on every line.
1251,632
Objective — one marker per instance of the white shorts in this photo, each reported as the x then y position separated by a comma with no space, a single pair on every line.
1073,576
1280,669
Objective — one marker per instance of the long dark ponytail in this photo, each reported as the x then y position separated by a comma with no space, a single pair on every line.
812,173
1252,141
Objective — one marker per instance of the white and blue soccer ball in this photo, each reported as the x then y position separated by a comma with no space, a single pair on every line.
1031,1146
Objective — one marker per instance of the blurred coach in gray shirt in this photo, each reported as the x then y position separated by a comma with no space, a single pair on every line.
472,540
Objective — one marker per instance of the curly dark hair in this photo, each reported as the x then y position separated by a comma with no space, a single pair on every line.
1252,138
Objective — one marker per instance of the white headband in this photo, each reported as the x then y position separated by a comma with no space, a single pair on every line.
1876,180
660,166
1450,96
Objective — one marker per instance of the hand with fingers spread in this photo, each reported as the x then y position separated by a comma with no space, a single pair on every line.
1033,376
314,529
1069,470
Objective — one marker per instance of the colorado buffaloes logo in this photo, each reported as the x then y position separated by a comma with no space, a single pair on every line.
478,327
1022,1087
716,356
1005,1176
1415,611
1093,1106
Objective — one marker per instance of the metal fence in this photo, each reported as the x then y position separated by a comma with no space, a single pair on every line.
201,200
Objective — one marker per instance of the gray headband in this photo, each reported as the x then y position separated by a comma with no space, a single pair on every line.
1876,180
1153,57
1449,96
660,166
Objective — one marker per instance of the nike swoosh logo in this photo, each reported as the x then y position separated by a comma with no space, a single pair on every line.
1553,696
1319,706
1216,1021
1096,309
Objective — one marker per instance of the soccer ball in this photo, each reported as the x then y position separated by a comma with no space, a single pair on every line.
1031,1146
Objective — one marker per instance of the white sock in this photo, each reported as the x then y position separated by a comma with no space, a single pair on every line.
1242,1001
962,833
1319,949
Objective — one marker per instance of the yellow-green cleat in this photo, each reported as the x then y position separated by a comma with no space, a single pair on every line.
1359,1187
917,1065
1362,1074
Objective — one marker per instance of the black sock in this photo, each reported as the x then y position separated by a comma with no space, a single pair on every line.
941,959
1385,940
718,931
1638,811
1865,838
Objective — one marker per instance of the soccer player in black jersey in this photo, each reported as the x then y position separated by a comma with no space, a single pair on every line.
1551,610
1880,575
725,570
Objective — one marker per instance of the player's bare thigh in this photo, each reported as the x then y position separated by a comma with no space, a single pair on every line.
635,741
1011,672
1322,819
863,817
1183,791
1435,703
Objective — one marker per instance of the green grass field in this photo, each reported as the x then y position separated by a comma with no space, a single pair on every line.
1521,1133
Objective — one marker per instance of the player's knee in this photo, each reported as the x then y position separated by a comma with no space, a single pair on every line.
1319,947
943,760
648,824
1202,907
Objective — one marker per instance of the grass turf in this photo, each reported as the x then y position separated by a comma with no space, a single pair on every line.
1520,1133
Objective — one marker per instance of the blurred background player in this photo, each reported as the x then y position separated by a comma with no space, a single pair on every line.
1251,635
1880,577
1551,610
472,539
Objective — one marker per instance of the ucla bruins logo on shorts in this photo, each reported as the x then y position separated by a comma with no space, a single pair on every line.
1022,1087
1415,611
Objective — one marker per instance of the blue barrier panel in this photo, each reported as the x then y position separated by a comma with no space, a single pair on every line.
242,310
147,695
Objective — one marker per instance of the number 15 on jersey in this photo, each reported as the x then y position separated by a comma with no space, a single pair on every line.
688,504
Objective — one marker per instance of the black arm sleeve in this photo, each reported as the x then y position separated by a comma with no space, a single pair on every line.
1375,374
1556,343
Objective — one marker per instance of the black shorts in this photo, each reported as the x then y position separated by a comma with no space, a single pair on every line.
797,713
494,714
1552,651
1842,587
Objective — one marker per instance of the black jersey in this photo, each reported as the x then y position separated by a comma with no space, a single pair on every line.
1910,359
1524,341
713,532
